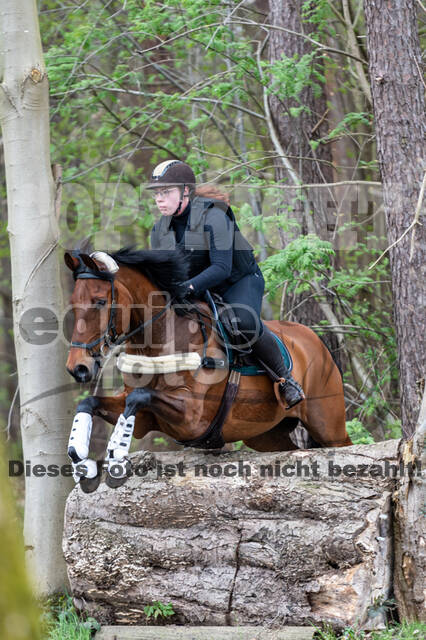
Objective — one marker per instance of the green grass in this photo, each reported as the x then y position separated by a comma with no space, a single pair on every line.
62,622
403,631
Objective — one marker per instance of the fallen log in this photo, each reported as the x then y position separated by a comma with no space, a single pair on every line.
241,538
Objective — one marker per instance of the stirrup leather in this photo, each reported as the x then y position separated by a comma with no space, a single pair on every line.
277,392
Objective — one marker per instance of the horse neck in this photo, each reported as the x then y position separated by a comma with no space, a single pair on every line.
158,336
169,333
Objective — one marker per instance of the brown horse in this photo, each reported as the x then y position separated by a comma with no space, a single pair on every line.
127,307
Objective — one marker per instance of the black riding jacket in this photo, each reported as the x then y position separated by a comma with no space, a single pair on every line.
207,232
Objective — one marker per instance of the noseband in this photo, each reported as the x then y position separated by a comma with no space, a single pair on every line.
110,336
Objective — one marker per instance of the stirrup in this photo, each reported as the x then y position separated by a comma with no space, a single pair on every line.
278,387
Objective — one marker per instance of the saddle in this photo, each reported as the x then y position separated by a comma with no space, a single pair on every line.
239,355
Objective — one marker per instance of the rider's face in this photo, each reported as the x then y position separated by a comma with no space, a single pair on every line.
167,199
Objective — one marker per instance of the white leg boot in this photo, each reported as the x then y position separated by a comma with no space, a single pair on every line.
85,469
78,447
118,447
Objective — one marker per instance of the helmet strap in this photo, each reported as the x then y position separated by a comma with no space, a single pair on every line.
182,191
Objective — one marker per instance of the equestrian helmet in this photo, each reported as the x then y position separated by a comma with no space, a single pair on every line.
173,173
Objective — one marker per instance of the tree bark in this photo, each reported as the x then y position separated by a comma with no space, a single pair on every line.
410,529
398,103
237,546
33,233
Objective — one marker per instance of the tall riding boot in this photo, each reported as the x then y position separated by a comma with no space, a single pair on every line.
267,351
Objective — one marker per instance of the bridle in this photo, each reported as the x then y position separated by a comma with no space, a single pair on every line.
110,337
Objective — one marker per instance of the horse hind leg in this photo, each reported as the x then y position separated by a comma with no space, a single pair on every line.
302,438
119,465
276,439
325,422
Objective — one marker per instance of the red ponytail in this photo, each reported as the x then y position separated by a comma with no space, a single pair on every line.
208,191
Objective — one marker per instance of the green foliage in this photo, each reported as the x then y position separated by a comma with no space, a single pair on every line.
158,609
290,76
393,430
403,631
62,622
357,433
302,261
265,223
349,124
319,13
367,326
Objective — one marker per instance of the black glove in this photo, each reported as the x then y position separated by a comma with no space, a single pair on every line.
183,291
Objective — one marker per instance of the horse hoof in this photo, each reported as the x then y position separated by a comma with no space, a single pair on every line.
114,483
89,485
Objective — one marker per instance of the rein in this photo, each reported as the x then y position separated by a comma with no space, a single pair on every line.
110,336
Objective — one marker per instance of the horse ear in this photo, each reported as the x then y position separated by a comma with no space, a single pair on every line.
70,261
89,262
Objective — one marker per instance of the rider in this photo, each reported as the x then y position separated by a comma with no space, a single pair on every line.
220,260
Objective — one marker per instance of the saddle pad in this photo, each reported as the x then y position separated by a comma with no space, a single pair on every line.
128,363
256,370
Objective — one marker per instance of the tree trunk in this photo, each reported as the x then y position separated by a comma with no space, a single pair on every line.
294,134
410,529
398,103
234,545
32,227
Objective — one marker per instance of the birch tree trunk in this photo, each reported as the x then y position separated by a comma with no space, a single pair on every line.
398,103
33,232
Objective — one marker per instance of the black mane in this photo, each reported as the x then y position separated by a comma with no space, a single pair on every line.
164,268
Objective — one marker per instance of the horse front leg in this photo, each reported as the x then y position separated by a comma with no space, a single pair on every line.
119,465
85,470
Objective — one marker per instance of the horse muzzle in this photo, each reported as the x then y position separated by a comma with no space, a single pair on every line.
82,373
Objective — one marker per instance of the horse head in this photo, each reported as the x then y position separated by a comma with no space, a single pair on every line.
101,306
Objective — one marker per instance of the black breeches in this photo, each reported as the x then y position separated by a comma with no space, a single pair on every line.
245,297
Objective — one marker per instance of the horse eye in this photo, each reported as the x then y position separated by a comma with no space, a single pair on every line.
100,303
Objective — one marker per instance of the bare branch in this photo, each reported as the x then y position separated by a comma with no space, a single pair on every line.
413,224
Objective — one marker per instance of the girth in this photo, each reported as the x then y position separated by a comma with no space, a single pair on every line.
213,438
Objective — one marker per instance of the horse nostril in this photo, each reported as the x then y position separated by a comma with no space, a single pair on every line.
81,373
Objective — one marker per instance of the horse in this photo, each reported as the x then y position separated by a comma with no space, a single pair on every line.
126,298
